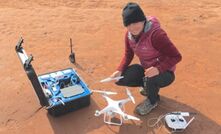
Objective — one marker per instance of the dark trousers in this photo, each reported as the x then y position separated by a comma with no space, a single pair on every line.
134,77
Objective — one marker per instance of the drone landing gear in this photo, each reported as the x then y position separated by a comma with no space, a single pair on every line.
109,117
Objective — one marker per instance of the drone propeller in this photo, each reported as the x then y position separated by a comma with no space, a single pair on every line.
111,79
130,95
104,92
130,117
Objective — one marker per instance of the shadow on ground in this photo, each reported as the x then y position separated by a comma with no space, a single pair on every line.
85,116
201,124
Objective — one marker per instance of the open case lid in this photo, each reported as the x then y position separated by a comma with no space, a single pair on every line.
26,62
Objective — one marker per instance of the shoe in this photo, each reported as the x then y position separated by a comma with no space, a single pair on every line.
143,92
145,107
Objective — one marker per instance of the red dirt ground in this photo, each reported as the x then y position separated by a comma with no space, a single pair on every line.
97,31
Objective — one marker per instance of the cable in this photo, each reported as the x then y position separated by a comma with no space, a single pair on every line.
157,122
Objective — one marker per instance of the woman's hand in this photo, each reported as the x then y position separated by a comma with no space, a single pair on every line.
152,71
116,74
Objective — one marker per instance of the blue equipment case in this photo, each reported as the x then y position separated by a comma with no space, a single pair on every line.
61,91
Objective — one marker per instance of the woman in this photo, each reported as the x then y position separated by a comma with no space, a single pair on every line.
157,54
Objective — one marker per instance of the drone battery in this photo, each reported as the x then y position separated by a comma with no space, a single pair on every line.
72,91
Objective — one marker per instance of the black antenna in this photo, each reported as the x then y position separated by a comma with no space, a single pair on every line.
72,55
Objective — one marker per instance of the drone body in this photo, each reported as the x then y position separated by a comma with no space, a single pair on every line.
115,107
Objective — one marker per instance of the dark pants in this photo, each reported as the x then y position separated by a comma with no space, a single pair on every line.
134,77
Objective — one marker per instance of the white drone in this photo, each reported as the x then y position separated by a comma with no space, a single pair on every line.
115,107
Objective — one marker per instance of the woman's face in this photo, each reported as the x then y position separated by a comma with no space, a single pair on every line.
135,28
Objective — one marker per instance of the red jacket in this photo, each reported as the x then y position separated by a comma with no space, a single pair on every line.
153,48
